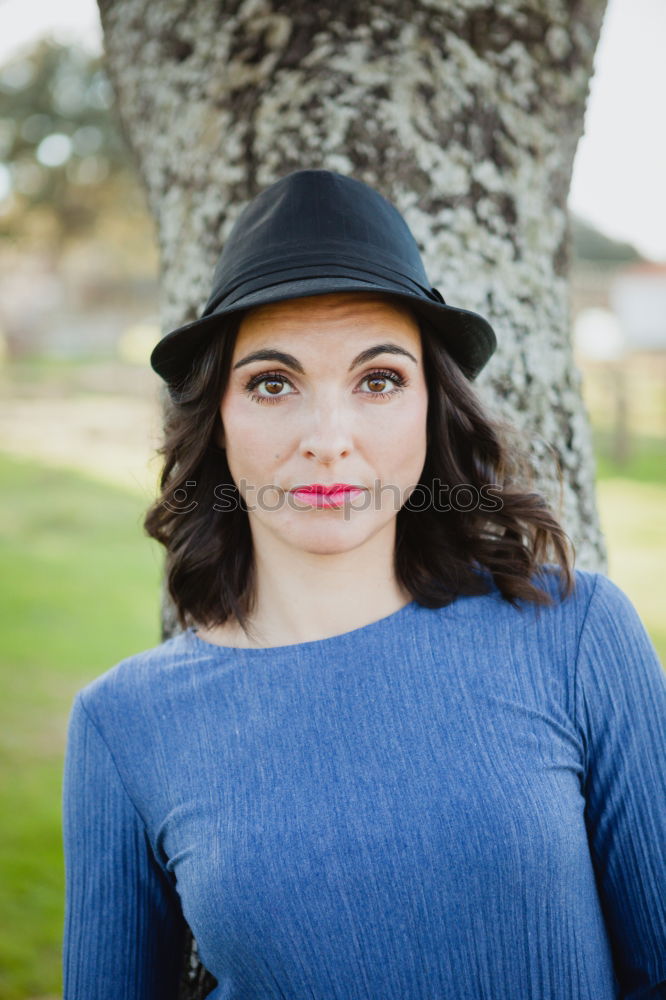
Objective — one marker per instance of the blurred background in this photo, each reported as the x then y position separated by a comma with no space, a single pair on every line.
79,409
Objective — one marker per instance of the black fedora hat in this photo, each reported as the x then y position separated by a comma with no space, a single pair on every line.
311,233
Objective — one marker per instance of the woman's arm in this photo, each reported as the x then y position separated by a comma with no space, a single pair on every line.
621,709
123,935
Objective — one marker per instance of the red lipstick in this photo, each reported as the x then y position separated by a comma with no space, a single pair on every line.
319,495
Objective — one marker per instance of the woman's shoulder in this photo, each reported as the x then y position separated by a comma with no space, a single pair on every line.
596,616
593,592
593,601
137,681
550,579
588,585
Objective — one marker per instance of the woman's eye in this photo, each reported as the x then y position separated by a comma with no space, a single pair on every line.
377,380
274,385
274,382
381,378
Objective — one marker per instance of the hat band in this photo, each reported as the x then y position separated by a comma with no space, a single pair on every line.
279,275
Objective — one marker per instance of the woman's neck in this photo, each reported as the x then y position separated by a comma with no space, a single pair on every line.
273,632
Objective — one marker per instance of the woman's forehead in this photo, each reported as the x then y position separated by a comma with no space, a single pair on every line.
338,312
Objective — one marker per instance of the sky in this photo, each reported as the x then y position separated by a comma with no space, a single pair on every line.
619,178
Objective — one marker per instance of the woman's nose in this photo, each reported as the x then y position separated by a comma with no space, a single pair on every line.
327,432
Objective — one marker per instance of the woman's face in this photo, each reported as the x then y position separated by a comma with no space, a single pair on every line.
322,413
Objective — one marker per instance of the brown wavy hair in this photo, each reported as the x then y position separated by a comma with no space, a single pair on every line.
439,555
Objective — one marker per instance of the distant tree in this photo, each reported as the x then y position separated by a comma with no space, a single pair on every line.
591,246
467,115
63,159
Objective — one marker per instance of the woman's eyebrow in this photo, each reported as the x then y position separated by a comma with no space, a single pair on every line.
289,361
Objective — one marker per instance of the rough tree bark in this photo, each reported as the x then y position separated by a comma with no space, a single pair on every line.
466,113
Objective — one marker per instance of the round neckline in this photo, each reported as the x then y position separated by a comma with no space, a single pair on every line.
292,646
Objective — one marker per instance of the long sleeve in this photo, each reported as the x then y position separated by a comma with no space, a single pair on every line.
621,708
123,925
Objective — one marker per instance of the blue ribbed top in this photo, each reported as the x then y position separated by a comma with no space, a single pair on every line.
466,803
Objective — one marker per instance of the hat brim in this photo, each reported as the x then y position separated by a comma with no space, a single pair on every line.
468,337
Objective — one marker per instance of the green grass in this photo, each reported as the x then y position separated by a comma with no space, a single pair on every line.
79,588
646,461
631,498
633,521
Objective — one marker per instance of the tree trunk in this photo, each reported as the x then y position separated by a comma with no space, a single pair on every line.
465,114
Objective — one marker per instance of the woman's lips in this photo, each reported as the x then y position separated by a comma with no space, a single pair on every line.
331,488
322,497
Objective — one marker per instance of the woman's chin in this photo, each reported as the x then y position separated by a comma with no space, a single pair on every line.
326,535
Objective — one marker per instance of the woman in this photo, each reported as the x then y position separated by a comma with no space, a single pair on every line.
400,748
